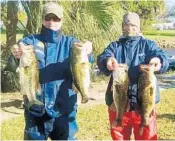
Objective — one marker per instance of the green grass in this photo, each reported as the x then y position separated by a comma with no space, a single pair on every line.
160,32
166,115
93,121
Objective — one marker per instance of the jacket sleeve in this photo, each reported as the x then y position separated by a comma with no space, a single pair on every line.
28,40
103,57
154,51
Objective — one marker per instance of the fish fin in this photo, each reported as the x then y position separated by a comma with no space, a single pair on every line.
151,91
39,90
86,64
127,106
117,122
91,98
152,112
74,88
141,130
84,99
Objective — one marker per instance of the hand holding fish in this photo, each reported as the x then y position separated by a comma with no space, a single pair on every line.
155,62
17,49
112,64
87,45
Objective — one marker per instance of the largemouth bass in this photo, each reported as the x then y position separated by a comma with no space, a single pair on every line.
29,76
80,68
120,92
146,94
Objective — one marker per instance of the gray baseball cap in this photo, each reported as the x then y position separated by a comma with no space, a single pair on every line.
131,18
53,8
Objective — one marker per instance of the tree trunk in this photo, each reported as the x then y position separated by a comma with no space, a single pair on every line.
12,20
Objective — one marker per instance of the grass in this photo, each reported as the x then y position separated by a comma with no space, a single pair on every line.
166,115
160,32
93,121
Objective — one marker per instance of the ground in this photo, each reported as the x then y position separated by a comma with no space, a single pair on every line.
11,102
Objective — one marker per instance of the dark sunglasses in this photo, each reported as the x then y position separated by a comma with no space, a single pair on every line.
53,17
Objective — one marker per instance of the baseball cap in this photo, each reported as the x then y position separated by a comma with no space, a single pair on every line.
131,18
53,8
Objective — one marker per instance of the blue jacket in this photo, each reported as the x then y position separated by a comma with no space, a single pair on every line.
132,51
52,50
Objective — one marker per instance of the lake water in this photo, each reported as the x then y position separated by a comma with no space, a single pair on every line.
170,51
167,81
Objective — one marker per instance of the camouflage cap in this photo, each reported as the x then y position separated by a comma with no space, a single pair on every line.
131,18
53,8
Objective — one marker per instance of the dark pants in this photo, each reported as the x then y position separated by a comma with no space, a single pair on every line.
40,128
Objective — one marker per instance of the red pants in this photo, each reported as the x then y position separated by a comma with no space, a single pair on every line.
131,120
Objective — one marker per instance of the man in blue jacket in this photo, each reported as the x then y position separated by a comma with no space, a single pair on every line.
57,118
133,50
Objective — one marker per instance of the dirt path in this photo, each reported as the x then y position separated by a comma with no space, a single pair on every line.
11,102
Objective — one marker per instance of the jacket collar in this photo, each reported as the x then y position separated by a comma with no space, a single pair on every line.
130,38
50,35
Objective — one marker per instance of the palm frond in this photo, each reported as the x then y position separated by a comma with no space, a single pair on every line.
98,9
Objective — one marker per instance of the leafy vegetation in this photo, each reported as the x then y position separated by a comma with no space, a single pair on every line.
93,121
149,11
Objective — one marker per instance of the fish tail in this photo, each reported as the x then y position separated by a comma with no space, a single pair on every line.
117,122
141,130
84,99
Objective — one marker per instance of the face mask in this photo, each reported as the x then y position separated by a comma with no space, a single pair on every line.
59,25
130,34
130,30
53,25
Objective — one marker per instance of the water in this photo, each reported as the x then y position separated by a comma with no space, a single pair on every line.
170,51
167,81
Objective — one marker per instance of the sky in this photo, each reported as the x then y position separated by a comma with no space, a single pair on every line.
170,3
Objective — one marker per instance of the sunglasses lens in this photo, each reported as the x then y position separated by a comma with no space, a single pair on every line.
53,17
